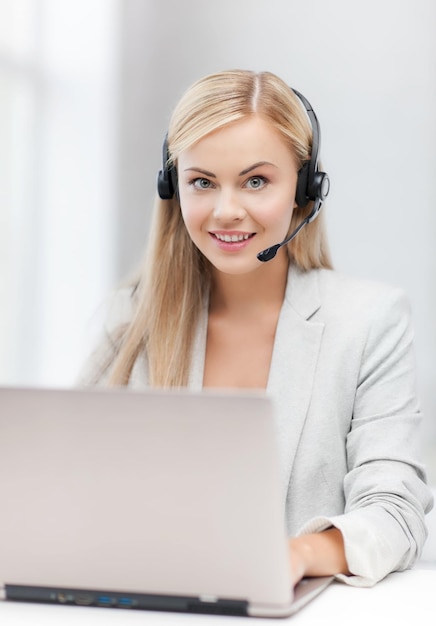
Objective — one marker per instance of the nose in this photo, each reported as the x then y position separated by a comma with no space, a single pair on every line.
227,207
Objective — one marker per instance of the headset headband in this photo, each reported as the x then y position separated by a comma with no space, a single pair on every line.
311,184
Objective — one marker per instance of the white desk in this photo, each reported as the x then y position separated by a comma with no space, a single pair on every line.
401,599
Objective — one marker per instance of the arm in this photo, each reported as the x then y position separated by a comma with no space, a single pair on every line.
382,526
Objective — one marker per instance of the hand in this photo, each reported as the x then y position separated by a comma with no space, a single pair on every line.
298,565
318,554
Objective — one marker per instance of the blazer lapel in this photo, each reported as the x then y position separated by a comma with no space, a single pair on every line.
295,355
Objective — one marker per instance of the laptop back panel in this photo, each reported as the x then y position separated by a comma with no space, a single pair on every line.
167,494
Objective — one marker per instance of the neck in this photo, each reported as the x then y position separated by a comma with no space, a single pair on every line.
250,294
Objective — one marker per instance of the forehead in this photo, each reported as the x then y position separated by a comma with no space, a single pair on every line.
241,143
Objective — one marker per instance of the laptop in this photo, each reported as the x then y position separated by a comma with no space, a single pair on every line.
161,500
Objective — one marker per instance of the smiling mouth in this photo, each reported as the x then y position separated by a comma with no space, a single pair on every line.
233,238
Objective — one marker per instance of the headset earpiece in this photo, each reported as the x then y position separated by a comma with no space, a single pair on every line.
301,197
164,185
167,177
320,186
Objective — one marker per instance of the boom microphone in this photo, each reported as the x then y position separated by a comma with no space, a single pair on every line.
269,253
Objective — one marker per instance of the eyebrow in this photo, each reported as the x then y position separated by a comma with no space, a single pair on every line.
254,166
200,171
246,171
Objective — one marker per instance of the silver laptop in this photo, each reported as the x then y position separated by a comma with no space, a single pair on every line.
144,500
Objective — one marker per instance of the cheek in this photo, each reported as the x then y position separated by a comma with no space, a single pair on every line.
274,214
192,216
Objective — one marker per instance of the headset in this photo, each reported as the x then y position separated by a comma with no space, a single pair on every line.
312,184
167,180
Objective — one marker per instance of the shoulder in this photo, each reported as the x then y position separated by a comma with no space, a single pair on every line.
346,305
340,284
116,313
370,317
357,297
119,308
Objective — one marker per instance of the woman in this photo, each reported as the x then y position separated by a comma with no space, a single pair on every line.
336,354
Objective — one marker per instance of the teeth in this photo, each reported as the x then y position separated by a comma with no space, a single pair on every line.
231,238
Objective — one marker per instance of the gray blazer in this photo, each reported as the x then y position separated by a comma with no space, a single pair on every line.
342,378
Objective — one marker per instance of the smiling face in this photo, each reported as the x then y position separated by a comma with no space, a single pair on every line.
237,194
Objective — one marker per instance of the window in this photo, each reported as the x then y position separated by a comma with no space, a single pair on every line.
58,79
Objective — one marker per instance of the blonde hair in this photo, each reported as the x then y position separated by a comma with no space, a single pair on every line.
175,281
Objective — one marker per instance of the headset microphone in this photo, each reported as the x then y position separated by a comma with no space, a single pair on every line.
269,253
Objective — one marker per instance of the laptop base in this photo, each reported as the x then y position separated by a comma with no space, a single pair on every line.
116,600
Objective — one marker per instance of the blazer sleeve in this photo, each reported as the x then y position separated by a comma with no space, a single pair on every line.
383,524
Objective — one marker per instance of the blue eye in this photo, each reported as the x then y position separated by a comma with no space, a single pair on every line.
256,182
201,183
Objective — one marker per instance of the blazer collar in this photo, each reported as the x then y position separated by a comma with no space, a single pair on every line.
302,291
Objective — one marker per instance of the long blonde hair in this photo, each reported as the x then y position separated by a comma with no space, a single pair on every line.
175,280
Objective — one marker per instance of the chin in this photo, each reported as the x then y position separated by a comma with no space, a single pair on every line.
234,267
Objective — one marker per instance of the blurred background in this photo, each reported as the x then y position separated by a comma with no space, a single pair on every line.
86,90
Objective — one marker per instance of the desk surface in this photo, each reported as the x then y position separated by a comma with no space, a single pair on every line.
400,599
